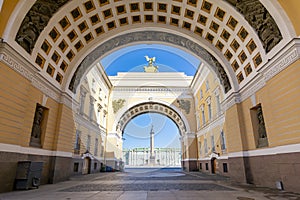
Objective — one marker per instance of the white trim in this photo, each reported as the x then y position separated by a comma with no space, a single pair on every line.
293,148
218,158
32,151
219,121
124,109
282,60
189,159
1,3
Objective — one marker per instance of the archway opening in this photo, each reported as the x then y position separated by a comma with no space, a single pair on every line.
151,141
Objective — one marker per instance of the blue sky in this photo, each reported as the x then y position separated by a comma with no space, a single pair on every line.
136,133
168,59
132,58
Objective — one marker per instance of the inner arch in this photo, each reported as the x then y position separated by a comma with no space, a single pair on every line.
153,36
153,107
137,131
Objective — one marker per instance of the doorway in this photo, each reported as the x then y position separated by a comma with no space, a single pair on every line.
86,166
213,165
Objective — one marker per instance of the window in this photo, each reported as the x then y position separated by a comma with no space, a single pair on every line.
76,167
96,147
88,143
200,166
102,151
218,104
91,110
209,112
223,142
213,148
77,141
203,117
95,166
82,101
104,118
198,121
201,94
205,146
93,85
98,116
206,166
206,85
225,168
200,146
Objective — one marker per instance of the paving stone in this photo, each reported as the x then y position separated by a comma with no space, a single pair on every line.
149,185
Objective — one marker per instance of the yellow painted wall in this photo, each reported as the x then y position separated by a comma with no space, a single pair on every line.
280,101
15,128
232,129
7,8
65,129
17,109
291,7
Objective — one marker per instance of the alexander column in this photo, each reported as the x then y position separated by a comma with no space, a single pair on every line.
152,156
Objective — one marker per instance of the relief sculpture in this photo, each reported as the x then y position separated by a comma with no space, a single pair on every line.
261,20
35,21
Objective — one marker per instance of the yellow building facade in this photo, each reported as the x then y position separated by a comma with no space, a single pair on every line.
244,117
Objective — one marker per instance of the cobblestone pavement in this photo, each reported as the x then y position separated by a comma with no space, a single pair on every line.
149,184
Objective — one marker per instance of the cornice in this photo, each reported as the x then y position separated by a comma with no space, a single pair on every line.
231,100
152,89
189,136
81,120
217,122
287,56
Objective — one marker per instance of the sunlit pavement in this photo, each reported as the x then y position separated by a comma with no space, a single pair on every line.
151,184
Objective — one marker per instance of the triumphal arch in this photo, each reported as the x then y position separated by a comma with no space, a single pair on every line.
237,116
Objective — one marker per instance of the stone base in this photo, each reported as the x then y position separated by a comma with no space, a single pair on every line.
268,170
189,165
54,168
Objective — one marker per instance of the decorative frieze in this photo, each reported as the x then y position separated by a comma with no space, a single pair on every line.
284,63
35,21
32,75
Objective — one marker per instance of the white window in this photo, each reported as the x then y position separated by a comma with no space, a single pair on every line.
93,85
223,141
96,146
201,94
213,143
198,121
203,117
218,104
91,110
209,112
206,85
77,140
82,101
88,143
200,148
